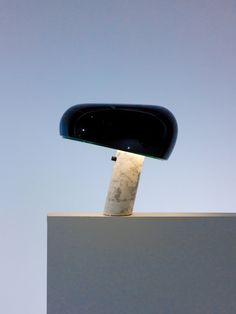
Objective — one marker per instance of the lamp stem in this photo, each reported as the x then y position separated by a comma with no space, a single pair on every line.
124,183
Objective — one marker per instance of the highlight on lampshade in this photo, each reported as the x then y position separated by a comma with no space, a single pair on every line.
141,129
135,131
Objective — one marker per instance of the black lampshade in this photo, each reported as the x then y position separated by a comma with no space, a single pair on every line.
140,129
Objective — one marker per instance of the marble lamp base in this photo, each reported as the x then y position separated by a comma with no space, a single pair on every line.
141,264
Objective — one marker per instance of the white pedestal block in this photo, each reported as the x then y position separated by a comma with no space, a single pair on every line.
141,264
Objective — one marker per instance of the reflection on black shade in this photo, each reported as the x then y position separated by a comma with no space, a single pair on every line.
141,129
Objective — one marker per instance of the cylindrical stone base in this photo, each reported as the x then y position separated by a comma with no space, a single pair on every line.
124,183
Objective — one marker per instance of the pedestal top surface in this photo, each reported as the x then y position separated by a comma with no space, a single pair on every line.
143,214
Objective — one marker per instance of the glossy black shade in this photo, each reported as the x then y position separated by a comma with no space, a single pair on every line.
140,129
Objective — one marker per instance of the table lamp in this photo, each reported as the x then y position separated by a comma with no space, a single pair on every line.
135,131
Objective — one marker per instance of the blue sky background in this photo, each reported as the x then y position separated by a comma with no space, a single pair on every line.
55,54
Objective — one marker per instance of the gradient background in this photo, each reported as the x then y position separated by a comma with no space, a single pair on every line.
54,54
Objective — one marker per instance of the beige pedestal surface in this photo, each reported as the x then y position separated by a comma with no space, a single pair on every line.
141,264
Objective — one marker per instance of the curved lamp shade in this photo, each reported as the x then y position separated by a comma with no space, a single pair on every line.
140,129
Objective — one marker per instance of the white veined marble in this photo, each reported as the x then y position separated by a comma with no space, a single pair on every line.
124,183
